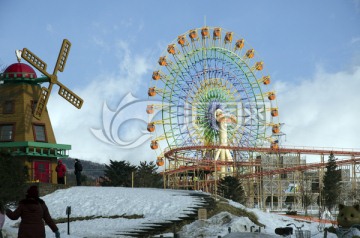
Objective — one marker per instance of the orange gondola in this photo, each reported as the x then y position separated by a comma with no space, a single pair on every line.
182,40
275,129
205,32
274,112
266,80
154,145
193,35
152,92
240,44
171,49
259,65
162,61
160,161
271,96
274,145
156,75
228,37
250,53
151,127
217,33
150,109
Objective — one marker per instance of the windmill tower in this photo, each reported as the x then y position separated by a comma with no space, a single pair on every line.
25,126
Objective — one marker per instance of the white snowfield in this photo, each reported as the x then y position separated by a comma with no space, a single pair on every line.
101,205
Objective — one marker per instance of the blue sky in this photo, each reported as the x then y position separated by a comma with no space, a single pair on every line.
311,49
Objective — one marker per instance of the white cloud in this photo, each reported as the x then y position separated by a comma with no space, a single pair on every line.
322,111
72,126
127,23
99,42
355,40
50,28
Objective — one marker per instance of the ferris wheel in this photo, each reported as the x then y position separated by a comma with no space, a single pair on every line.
205,78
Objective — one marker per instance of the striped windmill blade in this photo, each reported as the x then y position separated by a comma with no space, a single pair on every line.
70,96
63,55
42,101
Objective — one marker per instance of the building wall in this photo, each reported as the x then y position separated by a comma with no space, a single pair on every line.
23,95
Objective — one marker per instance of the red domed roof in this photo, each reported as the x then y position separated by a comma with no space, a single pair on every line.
19,70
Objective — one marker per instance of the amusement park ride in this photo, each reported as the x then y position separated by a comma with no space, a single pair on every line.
25,126
217,117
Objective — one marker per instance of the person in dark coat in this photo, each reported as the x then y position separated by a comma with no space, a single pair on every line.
33,212
61,171
78,169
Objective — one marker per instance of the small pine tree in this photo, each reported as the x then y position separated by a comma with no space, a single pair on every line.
118,174
147,175
332,186
231,188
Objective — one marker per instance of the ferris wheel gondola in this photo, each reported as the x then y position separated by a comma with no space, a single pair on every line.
205,71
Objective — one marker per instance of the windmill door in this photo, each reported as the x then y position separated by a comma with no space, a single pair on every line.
42,171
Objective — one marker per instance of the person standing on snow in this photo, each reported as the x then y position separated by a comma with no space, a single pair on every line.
33,212
60,170
78,169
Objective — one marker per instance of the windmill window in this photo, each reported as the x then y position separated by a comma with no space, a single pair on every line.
39,133
8,107
6,132
33,106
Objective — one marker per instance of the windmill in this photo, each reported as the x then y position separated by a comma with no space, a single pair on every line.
25,126
52,78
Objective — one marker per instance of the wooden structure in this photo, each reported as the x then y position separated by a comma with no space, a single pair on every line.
25,127
273,178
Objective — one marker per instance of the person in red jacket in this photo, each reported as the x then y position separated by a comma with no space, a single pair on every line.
60,170
33,212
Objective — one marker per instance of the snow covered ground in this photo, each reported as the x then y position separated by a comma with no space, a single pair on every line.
155,205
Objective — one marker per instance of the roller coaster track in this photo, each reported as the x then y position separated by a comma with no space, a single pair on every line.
209,164
283,150
298,168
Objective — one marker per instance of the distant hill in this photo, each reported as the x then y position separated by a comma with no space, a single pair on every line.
90,169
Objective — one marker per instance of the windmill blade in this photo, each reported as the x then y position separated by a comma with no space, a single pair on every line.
70,96
63,54
34,61
42,101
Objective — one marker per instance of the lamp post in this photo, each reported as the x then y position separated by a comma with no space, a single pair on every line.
68,212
